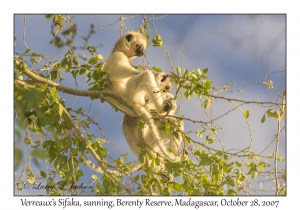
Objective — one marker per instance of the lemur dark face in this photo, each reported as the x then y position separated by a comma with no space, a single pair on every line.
139,51
138,48
167,87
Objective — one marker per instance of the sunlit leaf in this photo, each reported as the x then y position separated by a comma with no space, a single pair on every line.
263,119
156,69
60,109
39,153
78,111
254,174
277,116
178,70
88,144
43,174
206,103
168,128
232,192
230,182
261,165
198,132
177,186
246,114
204,70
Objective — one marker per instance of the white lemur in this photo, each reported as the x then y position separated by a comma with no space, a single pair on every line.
133,85
130,124
131,132
138,138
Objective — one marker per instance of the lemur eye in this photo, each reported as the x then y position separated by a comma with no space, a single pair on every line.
138,46
164,77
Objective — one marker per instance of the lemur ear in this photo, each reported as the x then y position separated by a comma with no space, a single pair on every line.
129,37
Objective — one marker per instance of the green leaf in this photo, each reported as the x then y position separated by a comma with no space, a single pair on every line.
60,109
261,165
230,182
246,114
168,128
156,69
18,156
39,153
157,41
53,90
199,72
238,164
284,93
263,119
91,49
232,192
170,188
206,103
254,174
178,70
88,144
213,131
177,186
43,174
78,111
209,140
277,116
54,34
43,87
204,70
100,57
186,139
79,173
146,26
199,133
93,60
194,75
141,157
27,140
147,36
47,16
142,124
136,178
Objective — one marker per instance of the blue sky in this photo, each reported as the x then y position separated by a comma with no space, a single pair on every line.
235,48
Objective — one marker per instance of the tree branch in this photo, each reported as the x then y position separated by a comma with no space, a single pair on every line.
108,96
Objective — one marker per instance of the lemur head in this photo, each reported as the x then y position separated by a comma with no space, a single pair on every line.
163,81
131,44
168,98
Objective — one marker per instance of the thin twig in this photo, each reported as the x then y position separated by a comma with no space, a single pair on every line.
24,32
275,159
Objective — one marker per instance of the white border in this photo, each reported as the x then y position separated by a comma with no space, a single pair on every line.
154,6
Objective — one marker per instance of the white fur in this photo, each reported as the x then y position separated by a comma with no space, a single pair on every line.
136,142
131,133
134,87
